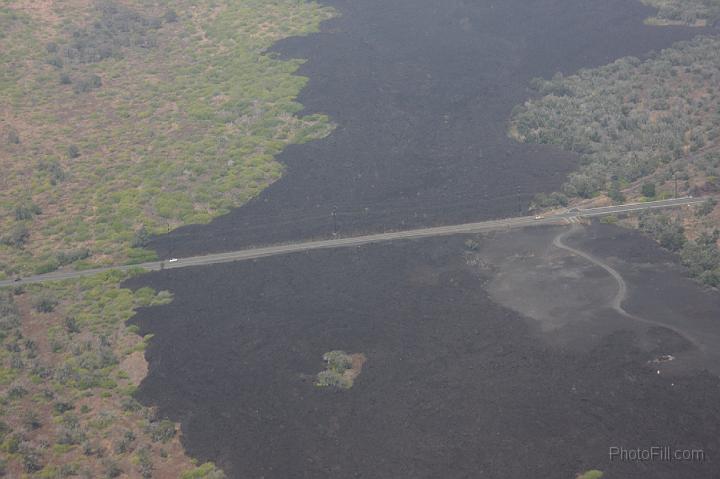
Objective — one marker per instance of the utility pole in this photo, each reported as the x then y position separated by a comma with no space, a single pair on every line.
171,239
334,218
519,201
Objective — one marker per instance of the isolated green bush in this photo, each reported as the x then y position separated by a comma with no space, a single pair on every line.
45,302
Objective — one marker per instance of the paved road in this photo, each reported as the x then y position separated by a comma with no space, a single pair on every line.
630,207
564,217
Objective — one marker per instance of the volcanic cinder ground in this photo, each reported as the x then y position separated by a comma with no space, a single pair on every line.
506,360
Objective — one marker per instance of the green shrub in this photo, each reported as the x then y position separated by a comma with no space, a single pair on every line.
16,392
17,237
31,458
62,407
707,207
26,211
338,360
9,313
84,85
670,234
112,468
12,137
161,431
609,220
31,421
73,151
71,325
591,474
68,257
47,267
205,471
45,303
53,169
170,16
648,189
331,378
472,245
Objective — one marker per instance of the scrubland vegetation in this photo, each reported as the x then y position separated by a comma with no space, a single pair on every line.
69,368
122,119
685,12
700,255
643,130
126,116
629,118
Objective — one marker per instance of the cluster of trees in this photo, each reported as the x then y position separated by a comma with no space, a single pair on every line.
627,118
701,257
117,27
686,11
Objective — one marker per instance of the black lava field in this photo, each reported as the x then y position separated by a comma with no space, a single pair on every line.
421,92
457,383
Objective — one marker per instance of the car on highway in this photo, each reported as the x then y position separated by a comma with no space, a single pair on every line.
173,260
539,217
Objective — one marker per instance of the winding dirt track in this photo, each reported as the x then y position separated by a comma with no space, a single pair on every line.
619,298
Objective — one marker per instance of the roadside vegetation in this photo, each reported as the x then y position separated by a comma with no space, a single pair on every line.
644,130
122,119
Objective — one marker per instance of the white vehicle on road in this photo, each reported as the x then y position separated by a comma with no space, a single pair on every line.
173,260
539,217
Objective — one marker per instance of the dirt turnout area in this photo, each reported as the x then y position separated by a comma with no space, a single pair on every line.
421,94
456,383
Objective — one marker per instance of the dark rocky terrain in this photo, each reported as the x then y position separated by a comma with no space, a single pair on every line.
422,93
460,380
455,385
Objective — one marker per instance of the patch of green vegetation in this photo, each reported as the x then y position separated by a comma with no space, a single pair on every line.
338,363
591,474
609,219
205,471
685,12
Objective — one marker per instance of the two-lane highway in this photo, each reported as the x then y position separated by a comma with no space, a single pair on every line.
467,228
